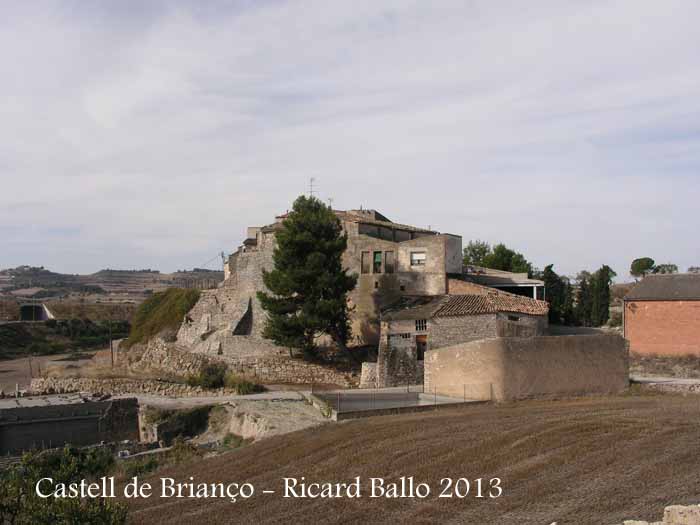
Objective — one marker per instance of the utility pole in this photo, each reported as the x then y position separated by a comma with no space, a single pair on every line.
311,186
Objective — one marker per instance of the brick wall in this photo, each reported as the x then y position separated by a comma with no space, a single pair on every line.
663,327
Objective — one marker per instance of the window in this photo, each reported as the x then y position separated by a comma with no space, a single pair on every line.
421,325
389,262
365,262
402,288
417,258
513,318
377,262
376,284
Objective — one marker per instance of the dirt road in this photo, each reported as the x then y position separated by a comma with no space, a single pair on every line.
588,461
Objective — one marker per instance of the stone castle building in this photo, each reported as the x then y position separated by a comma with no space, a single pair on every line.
394,263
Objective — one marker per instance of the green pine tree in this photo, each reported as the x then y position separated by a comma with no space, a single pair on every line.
308,284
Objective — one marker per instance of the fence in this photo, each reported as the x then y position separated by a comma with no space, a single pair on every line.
359,403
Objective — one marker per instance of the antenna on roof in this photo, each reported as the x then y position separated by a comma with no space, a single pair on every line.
311,186
330,202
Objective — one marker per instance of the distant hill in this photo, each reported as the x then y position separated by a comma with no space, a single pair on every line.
39,282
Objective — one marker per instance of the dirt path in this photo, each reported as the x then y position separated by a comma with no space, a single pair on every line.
589,461
17,371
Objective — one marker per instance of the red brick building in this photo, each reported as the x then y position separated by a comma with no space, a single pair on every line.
662,315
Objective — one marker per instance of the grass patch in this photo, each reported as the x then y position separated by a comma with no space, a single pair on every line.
173,424
233,441
211,376
216,375
161,312
242,385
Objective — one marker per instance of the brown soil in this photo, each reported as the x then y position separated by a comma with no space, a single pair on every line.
586,461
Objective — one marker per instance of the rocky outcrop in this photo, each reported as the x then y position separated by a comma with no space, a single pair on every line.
674,515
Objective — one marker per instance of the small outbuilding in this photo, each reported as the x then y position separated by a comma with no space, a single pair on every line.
414,325
662,315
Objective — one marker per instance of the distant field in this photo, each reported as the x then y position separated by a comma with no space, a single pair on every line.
588,461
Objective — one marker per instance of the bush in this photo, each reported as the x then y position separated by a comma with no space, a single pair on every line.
19,502
160,312
615,319
139,467
211,376
243,386
232,441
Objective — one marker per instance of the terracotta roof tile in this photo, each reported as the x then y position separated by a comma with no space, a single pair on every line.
457,305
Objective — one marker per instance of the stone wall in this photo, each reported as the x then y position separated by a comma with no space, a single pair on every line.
159,358
120,386
674,515
448,331
294,371
518,368
368,377
172,362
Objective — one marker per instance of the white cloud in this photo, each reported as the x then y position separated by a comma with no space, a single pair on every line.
567,130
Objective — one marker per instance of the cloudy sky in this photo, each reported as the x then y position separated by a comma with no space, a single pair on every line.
150,134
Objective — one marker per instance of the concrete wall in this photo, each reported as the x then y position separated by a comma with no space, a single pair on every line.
26,428
517,368
663,327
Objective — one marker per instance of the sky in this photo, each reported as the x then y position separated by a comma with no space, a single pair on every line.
140,134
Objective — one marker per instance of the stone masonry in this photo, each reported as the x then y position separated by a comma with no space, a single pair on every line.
674,515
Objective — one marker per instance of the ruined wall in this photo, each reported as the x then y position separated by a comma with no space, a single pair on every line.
397,360
375,291
448,331
517,368
25,428
368,377
525,325
454,256
663,327
674,515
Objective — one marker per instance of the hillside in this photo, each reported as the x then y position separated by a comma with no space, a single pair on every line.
28,281
588,461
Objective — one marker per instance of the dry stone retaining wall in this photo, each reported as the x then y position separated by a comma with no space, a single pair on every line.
64,385
159,358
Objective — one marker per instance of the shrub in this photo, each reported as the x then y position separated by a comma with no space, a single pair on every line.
615,319
232,441
162,311
139,467
242,385
211,376
19,502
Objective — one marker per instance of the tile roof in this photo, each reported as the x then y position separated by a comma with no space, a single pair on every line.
671,287
457,305
425,307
